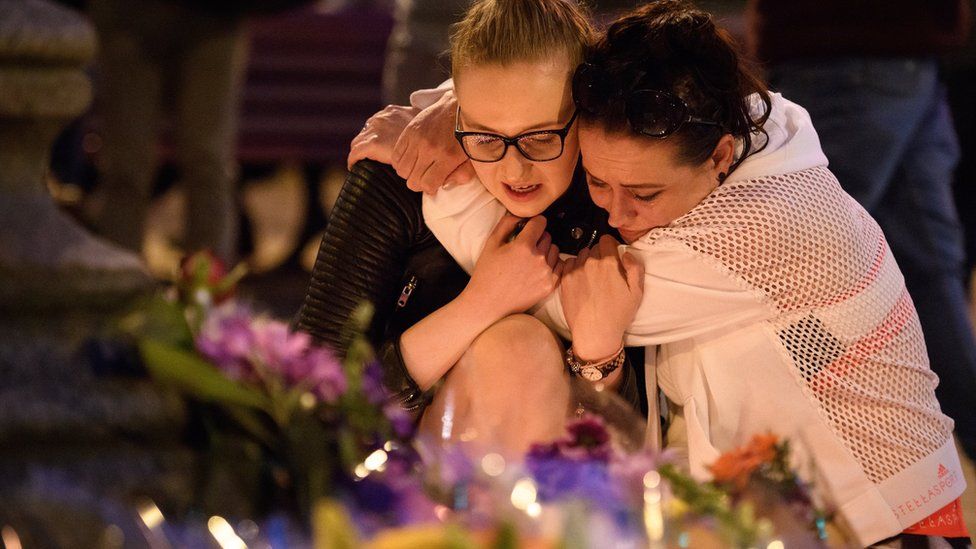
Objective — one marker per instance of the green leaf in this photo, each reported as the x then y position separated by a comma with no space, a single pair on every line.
195,376
161,319
506,537
249,420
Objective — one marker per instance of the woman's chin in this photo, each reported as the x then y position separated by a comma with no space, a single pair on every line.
520,209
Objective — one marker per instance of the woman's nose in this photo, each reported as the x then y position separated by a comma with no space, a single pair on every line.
619,210
514,165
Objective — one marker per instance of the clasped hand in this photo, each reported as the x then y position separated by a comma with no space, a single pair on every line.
513,274
600,289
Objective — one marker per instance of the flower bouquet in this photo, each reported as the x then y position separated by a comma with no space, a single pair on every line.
289,427
280,420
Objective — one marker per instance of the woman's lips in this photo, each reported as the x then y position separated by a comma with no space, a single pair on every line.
630,236
522,193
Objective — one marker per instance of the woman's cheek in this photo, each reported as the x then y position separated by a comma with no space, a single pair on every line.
486,174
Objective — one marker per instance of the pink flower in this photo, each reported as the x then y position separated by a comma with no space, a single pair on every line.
278,348
293,356
226,338
248,348
322,369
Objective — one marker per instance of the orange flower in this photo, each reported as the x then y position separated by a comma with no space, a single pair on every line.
736,466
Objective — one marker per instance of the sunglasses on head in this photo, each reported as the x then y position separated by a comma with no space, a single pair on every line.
653,113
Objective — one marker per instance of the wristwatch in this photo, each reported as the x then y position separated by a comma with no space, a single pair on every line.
594,370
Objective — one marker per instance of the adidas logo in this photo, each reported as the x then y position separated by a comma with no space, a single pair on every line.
943,471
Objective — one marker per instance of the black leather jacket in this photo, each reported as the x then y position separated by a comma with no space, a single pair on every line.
377,248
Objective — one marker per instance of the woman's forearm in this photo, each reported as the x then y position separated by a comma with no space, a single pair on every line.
432,346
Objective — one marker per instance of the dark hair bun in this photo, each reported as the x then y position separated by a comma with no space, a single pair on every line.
671,46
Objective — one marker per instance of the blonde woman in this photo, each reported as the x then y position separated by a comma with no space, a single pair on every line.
457,348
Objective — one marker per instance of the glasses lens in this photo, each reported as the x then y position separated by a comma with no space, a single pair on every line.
541,146
655,113
483,148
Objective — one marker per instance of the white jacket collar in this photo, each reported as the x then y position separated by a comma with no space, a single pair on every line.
792,143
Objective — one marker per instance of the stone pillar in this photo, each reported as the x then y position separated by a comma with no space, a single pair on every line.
78,444
46,259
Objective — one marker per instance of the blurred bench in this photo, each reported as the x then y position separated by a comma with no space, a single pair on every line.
312,81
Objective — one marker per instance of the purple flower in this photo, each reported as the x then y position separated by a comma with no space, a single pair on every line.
227,338
586,439
373,387
561,478
243,346
392,497
280,349
400,419
576,465
323,371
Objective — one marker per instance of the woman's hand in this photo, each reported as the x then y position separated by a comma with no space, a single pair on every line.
513,274
426,154
379,135
600,292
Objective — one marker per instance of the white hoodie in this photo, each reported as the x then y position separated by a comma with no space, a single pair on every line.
775,305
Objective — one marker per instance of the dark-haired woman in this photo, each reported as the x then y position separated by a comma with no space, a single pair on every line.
771,296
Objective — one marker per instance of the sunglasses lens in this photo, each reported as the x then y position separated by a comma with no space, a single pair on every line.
655,113
588,89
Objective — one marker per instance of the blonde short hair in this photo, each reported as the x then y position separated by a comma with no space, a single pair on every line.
509,31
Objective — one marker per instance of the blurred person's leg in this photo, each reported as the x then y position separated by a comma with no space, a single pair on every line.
128,93
863,127
962,90
206,122
885,128
416,54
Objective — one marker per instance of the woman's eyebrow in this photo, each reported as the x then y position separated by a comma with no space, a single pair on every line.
596,179
649,185
476,127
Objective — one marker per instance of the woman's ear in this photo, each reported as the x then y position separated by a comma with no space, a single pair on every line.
722,157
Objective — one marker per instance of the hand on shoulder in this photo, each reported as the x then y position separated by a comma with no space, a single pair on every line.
379,135
426,153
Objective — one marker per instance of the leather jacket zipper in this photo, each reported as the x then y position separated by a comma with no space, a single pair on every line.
407,292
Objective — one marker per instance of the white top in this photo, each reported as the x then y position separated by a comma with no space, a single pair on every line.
776,305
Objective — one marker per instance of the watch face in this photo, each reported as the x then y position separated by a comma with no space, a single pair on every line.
591,373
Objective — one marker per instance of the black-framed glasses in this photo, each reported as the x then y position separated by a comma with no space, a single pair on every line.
537,146
653,113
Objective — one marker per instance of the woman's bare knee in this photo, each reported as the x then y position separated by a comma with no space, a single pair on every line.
519,345
510,386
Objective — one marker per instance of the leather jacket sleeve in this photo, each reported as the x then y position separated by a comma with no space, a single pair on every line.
374,226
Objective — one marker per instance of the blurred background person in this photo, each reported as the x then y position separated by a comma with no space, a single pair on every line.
960,77
194,54
868,74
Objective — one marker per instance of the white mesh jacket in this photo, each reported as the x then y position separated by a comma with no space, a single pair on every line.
776,305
